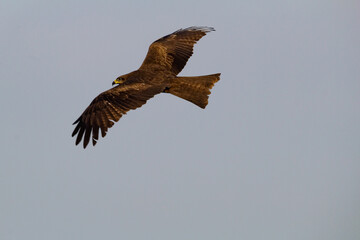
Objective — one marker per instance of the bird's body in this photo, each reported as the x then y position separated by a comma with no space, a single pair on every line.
158,73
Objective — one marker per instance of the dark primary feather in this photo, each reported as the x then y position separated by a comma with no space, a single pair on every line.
172,51
109,107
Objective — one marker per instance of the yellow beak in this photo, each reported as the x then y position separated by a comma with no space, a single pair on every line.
117,82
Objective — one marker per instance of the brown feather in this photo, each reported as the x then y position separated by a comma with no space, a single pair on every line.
95,132
108,108
166,57
103,131
194,89
87,135
80,134
173,51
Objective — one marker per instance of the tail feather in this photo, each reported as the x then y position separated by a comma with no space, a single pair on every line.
194,89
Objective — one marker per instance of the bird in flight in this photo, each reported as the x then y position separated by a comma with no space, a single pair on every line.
165,59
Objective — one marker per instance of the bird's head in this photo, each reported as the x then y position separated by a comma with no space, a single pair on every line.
119,80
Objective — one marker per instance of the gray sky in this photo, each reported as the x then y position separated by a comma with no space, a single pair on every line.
275,155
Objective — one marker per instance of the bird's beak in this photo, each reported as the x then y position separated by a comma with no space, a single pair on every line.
117,81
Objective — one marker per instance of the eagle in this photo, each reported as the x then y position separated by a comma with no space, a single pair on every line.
165,59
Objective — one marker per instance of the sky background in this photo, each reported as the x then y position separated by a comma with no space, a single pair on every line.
275,155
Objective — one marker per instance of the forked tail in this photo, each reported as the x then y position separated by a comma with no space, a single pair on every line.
194,89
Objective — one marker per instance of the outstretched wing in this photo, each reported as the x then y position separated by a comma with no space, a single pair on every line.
173,51
109,107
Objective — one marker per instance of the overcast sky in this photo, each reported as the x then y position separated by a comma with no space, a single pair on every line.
275,155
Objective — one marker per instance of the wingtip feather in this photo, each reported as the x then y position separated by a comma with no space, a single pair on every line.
204,29
201,28
77,120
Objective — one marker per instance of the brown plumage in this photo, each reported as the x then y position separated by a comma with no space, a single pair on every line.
165,59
